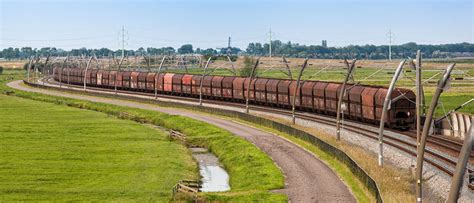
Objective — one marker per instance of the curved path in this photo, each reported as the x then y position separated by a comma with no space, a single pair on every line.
307,178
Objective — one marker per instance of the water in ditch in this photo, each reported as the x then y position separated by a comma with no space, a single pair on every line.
214,177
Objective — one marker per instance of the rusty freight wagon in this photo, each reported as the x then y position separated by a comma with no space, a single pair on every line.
260,90
99,78
177,84
112,78
331,97
150,82
217,87
362,102
93,77
160,82
168,83
105,78
293,89
142,81
126,80
368,104
187,84
227,85
271,91
196,85
207,86
345,105
307,95
250,92
319,99
355,102
399,111
238,89
134,80
283,93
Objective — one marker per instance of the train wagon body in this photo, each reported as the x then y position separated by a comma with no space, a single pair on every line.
250,92
126,79
217,87
296,98
331,97
134,80
177,84
272,91
99,77
283,91
260,90
355,102
403,110
196,84
112,78
398,113
168,83
238,89
160,82
142,81
105,78
362,102
187,84
207,86
93,77
345,105
368,103
307,95
227,85
150,82
319,99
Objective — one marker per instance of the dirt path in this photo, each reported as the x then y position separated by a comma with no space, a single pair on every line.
307,178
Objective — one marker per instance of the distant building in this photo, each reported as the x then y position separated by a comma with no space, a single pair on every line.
324,43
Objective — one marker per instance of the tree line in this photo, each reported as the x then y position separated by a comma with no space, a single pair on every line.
279,48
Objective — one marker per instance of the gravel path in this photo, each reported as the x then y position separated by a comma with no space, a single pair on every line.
307,178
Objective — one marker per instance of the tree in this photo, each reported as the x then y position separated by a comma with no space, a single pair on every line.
186,49
249,62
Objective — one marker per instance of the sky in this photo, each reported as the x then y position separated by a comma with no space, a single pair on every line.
71,24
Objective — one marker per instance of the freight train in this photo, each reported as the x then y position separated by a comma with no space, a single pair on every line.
362,102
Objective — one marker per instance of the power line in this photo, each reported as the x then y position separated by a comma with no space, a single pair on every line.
54,40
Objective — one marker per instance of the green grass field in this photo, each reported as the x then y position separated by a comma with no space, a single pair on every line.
52,152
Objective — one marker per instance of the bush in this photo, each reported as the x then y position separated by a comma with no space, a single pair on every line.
1,70
249,62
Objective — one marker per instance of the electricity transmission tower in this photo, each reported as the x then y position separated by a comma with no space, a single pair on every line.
123,32
229,49
270,43
390,38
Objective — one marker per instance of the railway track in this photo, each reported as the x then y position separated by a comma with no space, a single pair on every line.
434,157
